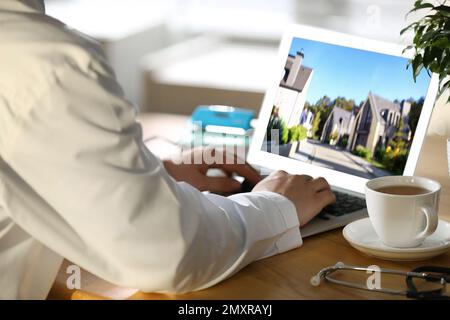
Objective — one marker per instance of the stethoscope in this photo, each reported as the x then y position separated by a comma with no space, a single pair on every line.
438,275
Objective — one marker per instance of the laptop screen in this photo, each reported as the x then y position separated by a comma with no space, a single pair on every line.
345,109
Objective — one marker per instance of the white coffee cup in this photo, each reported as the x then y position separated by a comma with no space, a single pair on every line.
403,221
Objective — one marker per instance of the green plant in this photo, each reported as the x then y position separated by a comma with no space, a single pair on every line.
276,128
395,156
303,133
297,133
343,141
362,152
431,42
379,154
284,133
315,124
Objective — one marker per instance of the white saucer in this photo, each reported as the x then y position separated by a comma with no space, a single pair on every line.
361,235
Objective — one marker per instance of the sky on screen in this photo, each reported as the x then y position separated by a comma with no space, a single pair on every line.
352,73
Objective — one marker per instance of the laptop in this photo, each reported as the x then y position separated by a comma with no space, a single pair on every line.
344,108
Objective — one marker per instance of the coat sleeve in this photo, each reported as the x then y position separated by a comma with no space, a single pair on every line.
110,206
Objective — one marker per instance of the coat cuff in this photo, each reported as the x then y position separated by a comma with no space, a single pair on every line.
283,216
292,238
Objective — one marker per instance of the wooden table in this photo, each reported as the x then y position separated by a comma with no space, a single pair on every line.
285,276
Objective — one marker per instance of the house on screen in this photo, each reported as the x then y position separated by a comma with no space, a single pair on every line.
378,121
338,125
291,94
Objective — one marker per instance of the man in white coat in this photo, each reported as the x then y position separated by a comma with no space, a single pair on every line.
77,182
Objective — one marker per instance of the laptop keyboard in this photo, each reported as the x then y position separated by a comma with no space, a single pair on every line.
345,203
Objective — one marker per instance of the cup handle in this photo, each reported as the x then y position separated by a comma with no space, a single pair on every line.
432,221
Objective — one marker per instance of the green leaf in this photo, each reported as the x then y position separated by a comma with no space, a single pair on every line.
417,66
431,41
434,67
443,87
445,64
447,84
447,25
419,32
427,56
407,48
429,35
443,13
442,8
421,6
442,42
407,28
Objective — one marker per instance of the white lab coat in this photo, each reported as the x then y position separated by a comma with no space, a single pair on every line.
77,182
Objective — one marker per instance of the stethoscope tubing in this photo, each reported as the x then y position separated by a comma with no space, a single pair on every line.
418,273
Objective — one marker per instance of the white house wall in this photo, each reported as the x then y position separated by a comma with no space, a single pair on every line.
285,100
300,103
291,103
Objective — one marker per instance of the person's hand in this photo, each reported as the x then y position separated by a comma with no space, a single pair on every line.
194,164
309,195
